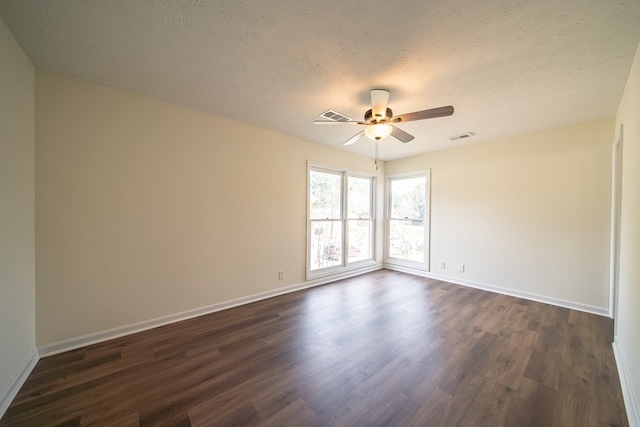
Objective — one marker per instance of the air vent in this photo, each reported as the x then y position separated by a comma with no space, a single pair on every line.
335,116
461,136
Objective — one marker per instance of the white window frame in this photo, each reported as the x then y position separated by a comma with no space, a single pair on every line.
344,266
399,262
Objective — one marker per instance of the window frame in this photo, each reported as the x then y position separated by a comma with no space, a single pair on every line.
400,262
344,265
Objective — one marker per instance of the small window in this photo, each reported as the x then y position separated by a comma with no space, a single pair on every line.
360,219
325,216
408,220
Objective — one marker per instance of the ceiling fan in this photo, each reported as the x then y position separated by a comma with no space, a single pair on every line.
380,121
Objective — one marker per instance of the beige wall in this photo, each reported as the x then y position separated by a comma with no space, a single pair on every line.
146,209
17,254
529,214
628,313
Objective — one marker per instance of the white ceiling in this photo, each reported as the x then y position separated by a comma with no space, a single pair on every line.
507,66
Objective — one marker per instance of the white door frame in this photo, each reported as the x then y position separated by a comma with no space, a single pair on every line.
616,197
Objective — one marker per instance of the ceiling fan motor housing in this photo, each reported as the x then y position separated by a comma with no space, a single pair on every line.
368,116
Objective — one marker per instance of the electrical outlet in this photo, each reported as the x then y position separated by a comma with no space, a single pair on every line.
281,275
443,265
461,268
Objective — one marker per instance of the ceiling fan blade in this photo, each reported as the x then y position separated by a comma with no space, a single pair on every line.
354,138
333,122
401,135
379,102
424,114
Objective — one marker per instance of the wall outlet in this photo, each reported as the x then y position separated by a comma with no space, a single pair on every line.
443,265
461,268
281,275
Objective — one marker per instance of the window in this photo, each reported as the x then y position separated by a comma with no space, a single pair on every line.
407,220
340,221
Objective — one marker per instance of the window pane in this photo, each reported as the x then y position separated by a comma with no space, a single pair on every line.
359,240
408,198
359,197
325,195
406,240
326,244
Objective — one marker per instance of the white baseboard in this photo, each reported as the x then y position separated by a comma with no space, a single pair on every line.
83,341
601,311
628,393
10,392
73,343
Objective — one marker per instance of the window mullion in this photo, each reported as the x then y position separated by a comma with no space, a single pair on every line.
345,222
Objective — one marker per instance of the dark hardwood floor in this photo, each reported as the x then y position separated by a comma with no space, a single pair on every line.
380,349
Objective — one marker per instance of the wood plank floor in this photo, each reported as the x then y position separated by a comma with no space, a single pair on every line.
381,349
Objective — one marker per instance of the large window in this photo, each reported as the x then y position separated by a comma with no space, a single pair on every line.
340,220
408,220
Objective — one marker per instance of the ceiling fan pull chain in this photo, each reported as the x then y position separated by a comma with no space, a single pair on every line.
376,161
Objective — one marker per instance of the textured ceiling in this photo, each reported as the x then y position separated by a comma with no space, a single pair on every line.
507,66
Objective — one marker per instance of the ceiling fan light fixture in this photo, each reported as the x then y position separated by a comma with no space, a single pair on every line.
378,131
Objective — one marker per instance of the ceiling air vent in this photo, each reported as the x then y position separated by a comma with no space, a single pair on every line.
461,136
335,116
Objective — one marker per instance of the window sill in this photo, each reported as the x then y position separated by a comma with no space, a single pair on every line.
336,272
